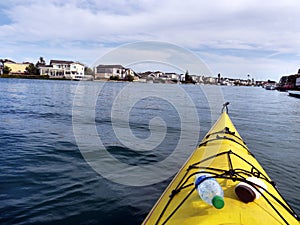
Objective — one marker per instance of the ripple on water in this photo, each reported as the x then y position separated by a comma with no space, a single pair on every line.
45,180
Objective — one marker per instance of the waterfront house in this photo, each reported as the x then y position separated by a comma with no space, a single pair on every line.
157,74
16,68
210,80
198,78
63,69
130,72
143,76
172,76
107,71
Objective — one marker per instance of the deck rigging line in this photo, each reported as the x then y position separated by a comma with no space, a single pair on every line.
237,174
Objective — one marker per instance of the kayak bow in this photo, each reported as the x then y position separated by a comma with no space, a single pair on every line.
250,196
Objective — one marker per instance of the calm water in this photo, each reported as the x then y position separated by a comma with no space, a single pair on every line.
45,179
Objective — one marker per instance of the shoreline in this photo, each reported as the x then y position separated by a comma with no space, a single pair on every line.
46,77
36,77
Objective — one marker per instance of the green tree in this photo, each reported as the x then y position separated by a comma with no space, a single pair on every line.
41,62
115,77
88,71
188,78
32,69
129,78
6,70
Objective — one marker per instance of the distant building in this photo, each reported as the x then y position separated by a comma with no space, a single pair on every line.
63,69
197,78
158,74
172,76
290,82
210,80
130,72
107,71
16,68
159,77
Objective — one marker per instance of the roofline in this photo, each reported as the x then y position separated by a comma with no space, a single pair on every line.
60,61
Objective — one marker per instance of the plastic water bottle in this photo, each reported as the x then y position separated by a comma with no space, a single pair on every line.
209,190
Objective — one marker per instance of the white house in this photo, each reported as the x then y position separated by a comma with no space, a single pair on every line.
172,76
63,69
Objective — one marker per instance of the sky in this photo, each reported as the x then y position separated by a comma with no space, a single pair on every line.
234,38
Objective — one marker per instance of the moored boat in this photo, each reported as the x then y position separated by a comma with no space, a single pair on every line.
270,87
250,196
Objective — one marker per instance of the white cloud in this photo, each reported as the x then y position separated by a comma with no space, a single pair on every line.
260,29
259,68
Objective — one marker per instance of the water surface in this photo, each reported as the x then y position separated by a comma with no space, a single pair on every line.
45,179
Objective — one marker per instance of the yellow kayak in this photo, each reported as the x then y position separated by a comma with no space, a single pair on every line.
250,196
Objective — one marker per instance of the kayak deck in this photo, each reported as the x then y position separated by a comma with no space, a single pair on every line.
224,155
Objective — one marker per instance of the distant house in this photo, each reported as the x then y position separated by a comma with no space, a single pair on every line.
129,72
63,69
144,75
200,79
157,74
107,71
172,76
16,68
210,80
158,77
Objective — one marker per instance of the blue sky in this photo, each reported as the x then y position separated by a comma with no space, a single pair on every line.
234,38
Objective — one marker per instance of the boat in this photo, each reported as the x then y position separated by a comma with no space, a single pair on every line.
224,155
294,94
270,87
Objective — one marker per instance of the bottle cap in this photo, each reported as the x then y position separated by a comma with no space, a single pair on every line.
218,202
199,179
